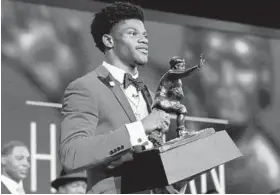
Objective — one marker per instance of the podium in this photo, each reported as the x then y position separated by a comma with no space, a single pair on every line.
177,160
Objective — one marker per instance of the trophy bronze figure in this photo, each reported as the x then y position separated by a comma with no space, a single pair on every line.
169,94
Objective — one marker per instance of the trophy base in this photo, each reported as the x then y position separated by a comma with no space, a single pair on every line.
187,138
178,159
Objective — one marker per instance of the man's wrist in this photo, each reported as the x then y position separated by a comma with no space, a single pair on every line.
137,133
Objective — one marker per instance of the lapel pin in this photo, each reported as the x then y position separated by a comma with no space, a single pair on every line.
112,83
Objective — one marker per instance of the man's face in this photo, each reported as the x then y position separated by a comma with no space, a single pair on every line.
16,164
131,42
177,63
75,187
179,66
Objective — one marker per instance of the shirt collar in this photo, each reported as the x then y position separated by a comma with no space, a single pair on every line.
116,72
11,184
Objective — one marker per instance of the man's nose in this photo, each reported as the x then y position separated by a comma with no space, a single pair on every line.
26,163
144,40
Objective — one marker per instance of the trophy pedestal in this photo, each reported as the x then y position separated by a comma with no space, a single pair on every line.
178,159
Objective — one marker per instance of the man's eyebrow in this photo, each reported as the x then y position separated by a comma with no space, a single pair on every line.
133,28
130,28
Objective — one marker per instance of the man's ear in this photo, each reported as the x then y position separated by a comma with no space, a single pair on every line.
4,160
108,41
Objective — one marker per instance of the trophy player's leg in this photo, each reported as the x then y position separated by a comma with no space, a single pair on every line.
180,124
181,129
161,103
181,113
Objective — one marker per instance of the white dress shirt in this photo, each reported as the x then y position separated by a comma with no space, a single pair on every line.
13,187
138,104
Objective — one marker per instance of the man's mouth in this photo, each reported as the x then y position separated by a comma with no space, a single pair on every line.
143,50
24,172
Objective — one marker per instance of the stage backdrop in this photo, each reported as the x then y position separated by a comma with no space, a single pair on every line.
44,48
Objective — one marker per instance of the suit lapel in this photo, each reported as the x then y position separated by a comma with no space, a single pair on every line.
119,94
4,189
147,96
106,78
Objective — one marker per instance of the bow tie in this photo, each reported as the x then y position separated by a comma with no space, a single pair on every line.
137,83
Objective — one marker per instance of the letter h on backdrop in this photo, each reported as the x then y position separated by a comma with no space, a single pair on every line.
38,156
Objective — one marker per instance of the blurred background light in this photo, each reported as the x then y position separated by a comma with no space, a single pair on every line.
241,47
247,79
216,41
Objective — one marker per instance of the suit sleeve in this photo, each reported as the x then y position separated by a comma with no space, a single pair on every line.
80,146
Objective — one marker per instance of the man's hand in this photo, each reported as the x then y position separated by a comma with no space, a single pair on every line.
156,120
202,61
124,158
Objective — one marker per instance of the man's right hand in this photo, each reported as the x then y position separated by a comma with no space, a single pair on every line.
156,120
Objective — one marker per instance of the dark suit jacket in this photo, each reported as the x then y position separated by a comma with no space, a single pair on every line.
93,128
4,189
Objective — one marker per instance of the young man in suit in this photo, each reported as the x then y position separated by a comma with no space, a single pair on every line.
107,113
15,165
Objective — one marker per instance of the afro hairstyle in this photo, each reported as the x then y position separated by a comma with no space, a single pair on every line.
112,14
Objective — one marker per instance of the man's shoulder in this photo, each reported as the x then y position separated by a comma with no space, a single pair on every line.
90,79
4,189
87,78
